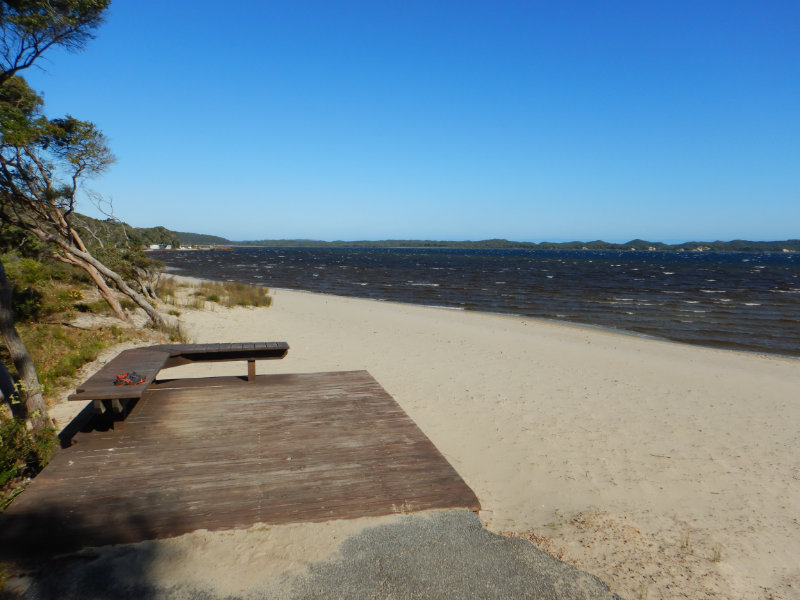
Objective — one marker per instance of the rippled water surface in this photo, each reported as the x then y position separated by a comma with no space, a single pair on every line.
731,300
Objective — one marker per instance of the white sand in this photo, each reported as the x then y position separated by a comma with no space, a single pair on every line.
664,469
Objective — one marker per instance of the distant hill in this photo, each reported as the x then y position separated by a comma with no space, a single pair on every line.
202,239
501,244
114,232
156,235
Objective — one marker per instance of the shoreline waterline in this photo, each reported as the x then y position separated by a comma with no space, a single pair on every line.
747,302
174,272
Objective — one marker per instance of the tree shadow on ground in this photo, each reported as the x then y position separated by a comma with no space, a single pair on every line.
33,547
52,551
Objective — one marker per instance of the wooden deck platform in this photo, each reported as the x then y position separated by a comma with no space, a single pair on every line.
218,453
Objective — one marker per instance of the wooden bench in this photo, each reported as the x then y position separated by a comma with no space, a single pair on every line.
149,360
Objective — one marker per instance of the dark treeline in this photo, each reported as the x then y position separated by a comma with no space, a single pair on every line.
499,244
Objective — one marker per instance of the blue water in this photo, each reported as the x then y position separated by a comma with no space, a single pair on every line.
729,300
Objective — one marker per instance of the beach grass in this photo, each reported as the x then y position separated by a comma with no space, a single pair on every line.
231,293
223,293
59,351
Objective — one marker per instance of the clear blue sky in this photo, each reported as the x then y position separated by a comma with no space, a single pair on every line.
374,119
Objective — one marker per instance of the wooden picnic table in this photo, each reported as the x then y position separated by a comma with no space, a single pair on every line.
147,361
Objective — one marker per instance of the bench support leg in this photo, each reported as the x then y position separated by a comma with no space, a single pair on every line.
251,371
99,406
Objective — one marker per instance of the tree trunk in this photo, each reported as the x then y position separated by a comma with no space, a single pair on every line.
123,287
35,406
102,286
145,291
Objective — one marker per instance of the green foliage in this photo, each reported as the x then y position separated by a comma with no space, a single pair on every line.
27,304
200,239
24,271
157,235
27,276
20,241
78,143
20,120
98,307
32,26
40,289
113,232
32,17
23,453
16,95
121,259
58,352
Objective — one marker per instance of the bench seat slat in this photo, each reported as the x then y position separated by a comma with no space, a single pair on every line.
100,386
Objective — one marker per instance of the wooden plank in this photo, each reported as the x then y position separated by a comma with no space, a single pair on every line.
216,453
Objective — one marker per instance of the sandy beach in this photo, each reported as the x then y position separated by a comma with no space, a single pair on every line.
666,470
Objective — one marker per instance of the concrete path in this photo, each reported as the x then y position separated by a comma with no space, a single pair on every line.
440,555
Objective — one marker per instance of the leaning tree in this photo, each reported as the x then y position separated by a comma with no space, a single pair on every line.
27,29
42,165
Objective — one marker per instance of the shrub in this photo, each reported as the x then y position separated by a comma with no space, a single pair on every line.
172,330
242,294
27,304
98,307
196,302
166,289
25,271
59,352
232,293
23,453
